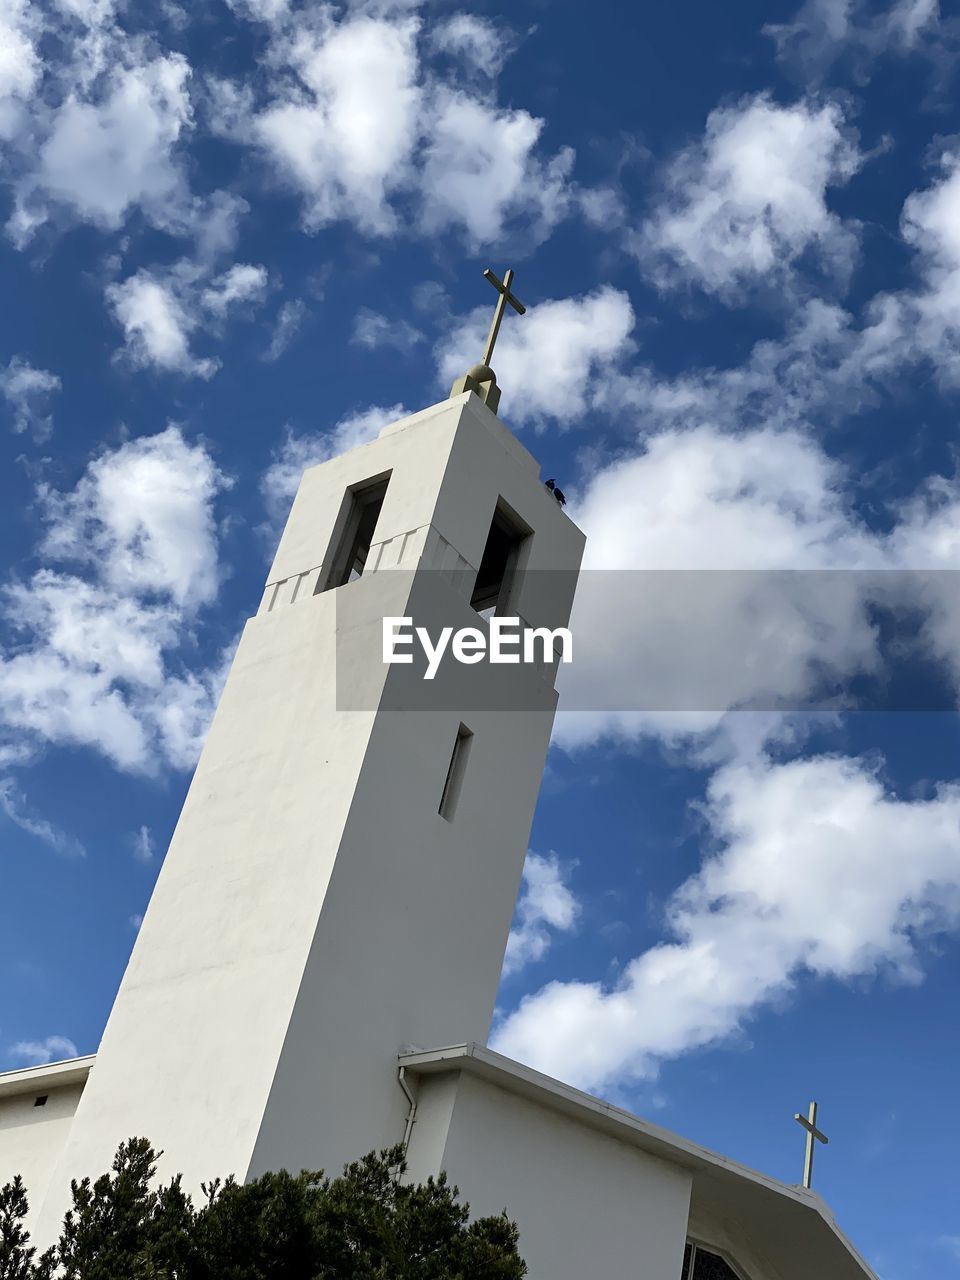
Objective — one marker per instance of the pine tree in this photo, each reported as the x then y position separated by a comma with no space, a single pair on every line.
367,1224
18,1258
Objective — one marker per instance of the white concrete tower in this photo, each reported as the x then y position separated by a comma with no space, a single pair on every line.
341,881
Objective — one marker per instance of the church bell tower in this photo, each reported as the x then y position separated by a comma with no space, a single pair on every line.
341,881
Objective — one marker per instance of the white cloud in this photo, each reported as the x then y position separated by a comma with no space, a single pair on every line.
373,330
363,127
142,516
824,30
91,13
20,64
546,906
181,710
289,320
907,20
748,202
141,843
683,611
241,283
553,361
37,1053
260,10
14,806
822,367
345,138
820,872
480,43
157,322
27,391
280,481
480,170
100,127
929,316
159,312
828,363
102,157
95,659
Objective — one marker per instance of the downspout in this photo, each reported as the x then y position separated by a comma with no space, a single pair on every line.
412,1113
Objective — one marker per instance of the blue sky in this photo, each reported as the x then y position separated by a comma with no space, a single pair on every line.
240,237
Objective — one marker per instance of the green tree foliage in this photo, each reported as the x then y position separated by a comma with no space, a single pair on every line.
18,1258
367,1224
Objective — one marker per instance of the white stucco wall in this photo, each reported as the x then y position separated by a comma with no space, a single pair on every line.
586,1204
32,1138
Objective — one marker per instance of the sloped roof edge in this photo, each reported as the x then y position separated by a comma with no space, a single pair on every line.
793,1202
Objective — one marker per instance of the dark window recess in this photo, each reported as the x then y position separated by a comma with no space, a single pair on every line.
455,771
41,1101
499,560
701,1264
355,530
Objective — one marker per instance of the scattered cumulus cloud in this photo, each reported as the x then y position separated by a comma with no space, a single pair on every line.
828,363
480,171
93,659
373,330
281,479
260,10
98,127
822,367
102,157
737,528
14,806
142,846
20,64
721,514
157,325
554,361
142,517
159,312
927,319
477,42
243,282
546,907
824,31
289,320
357,122
345,138
37,1053
743,206
749,926
27,391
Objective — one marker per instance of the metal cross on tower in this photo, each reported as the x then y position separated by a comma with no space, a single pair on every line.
480,378
505,296
809,1122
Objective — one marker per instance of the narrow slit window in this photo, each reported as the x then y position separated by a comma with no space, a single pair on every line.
41,1100
455,771
353,537
508,533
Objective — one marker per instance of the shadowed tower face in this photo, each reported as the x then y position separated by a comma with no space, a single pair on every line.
342,879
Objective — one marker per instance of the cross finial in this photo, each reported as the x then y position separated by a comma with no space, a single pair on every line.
505,296
481,378
809,1122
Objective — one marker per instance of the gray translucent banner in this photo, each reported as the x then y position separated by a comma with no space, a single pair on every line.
660,641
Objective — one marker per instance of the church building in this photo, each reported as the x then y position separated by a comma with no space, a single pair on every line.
316,972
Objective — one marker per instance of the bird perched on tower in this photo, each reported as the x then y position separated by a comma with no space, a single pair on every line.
557,493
